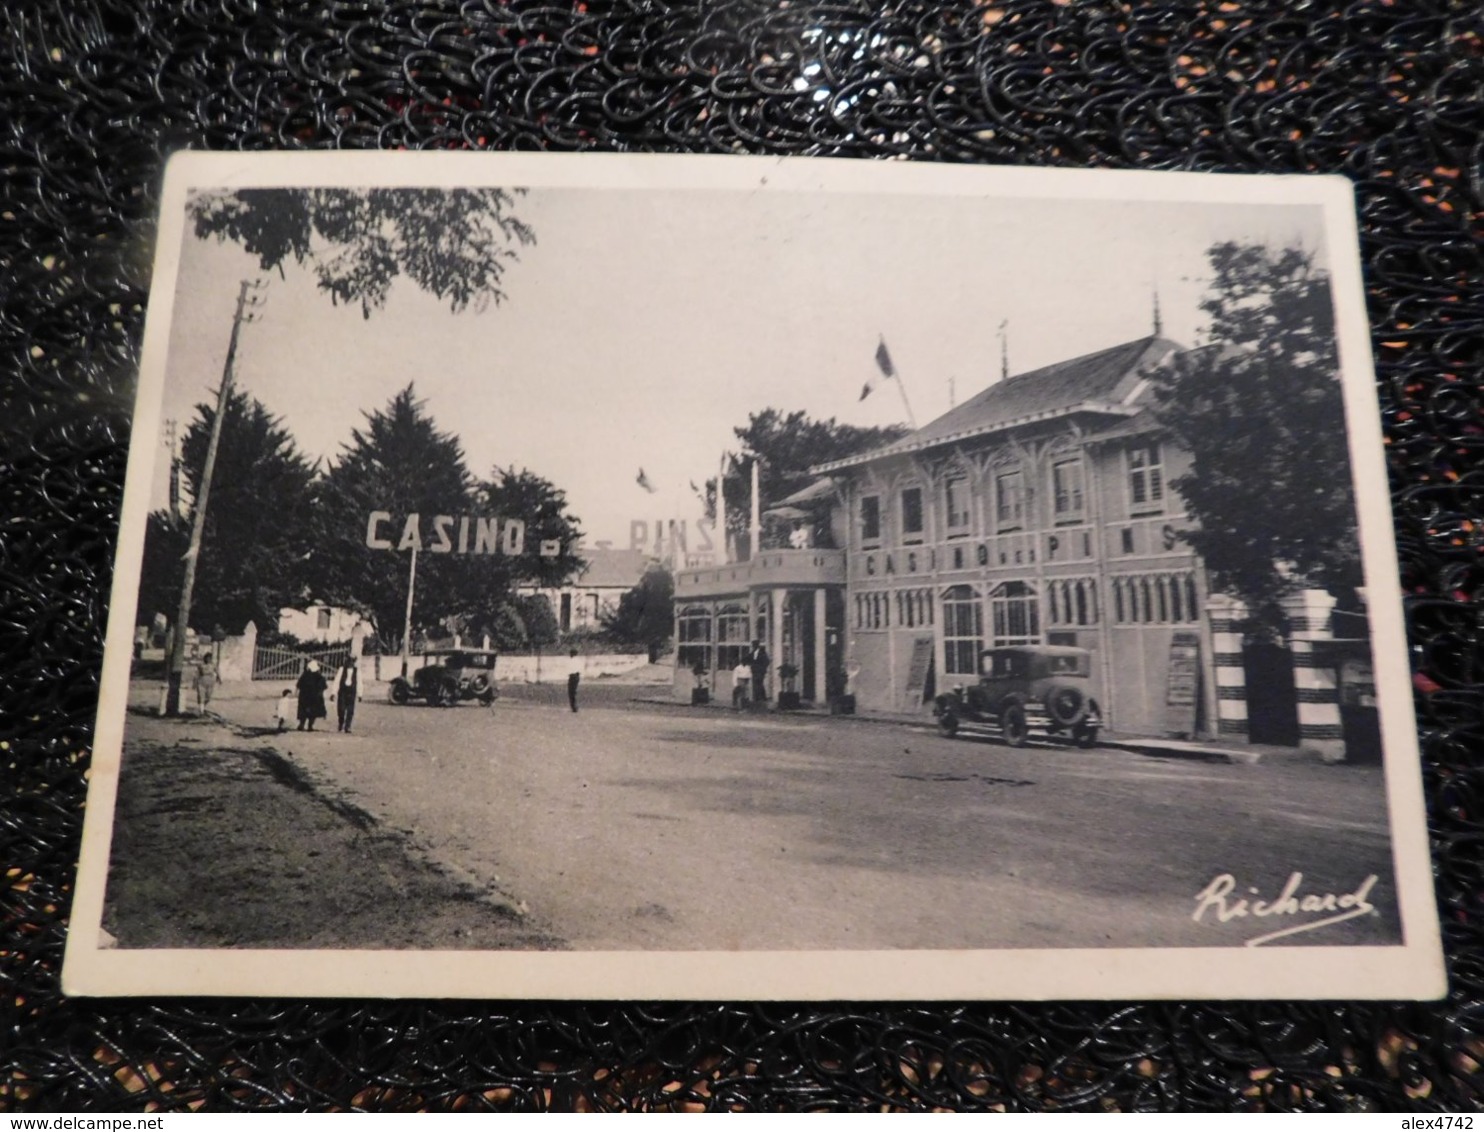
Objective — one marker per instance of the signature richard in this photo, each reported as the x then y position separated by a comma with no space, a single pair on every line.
1217,899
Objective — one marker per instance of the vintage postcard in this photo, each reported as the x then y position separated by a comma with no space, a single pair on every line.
572,576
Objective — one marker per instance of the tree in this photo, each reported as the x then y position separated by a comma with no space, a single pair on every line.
788,445
453,243
646,614
257,532
487,584
399,462
1261,411
166,538
542,506
524,622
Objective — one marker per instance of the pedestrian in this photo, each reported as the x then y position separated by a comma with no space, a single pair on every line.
206,679
758,660
285,710
311,688
574,677
740,677
347,692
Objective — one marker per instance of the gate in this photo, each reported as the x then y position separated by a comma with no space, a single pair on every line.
1272,700
271,663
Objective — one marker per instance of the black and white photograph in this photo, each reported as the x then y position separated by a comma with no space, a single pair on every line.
664,577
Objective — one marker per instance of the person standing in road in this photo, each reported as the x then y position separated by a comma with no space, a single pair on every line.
758,660
574,677
740,676
311,687
206,679
347,692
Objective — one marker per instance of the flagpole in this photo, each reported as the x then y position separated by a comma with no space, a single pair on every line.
721,510
911,417
756,529
891,373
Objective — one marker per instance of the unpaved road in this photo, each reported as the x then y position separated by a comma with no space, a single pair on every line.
221,842
630,826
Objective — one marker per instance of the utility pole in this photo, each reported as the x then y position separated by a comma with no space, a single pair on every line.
198,520
171,441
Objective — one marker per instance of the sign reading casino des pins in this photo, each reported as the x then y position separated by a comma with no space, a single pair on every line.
453,534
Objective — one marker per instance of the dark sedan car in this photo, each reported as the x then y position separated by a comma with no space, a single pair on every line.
448,676
1026,690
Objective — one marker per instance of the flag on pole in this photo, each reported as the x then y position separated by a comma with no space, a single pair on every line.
643,481
883,362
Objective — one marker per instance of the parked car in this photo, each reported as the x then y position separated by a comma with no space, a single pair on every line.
1026,690
448,676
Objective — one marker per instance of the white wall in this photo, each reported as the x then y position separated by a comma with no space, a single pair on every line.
305,623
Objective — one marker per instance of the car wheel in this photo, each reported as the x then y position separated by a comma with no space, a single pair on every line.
1067,706
400,693
479,686
1085,735
948,724
1012,723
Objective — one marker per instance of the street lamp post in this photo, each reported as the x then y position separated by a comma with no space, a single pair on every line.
407,619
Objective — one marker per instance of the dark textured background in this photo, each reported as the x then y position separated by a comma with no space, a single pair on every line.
93,95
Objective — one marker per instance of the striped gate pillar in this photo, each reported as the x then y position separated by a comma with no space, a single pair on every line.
1308,614
1225,615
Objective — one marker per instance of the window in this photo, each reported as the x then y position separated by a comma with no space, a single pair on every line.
732,639
1016,614
322,618
963,631
870,519
1155,599
914,608
694,637
912,514
956,504
1009,501
1066,490
1146,479
1071,601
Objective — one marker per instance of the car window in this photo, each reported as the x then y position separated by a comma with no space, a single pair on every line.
1066,664
1005,664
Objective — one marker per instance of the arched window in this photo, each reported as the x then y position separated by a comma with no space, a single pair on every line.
963,631
1016,614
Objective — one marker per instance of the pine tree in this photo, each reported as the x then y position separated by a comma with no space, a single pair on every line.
399,462
256,539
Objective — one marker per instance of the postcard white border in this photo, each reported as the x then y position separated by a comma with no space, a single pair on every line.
1412,970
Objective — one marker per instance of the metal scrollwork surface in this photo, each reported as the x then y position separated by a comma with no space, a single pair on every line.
95,93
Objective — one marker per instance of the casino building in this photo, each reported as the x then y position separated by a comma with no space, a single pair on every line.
1038,512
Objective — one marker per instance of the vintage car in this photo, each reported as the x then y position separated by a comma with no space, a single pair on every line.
448,676
1026,690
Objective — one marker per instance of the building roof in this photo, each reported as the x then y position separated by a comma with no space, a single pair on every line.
611,567
1107,382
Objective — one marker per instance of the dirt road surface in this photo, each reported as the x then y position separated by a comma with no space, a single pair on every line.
633,826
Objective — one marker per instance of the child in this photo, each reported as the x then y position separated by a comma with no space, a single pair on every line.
741,676
286,709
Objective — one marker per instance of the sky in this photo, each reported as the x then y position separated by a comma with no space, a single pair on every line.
643,327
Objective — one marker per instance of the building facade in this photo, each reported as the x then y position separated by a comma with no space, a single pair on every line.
595,592
1038,512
